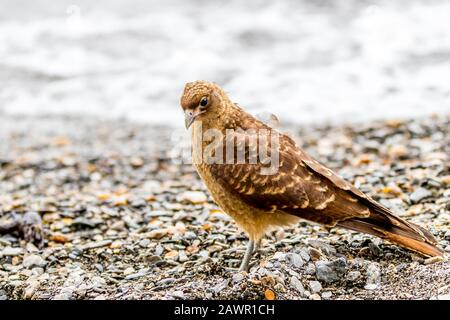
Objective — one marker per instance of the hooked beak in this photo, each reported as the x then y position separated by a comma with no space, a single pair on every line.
190,116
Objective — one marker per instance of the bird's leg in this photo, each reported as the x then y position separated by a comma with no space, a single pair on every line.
248,255
257,245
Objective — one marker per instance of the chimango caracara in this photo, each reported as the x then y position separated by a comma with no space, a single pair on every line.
300,187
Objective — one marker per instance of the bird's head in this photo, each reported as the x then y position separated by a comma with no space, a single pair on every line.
201,100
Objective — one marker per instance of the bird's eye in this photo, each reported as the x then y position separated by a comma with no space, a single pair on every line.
204,102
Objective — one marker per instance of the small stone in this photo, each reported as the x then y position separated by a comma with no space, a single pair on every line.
315,286
220,286
331,271
376,251
159,250
193,197
280,256
297,285
97,244
353,276
157,234
398,151
305,256
137,162
182,257
31,248
144,243
269,294
445,180
326,295
433,260
10,251
33,260
59,238
419,195
310,269
314,254
295,260
134,276
315,296
322,246
171,255
238,277
178,294
128,271
447,235
280,234
31,289
371,286
373,273
116,244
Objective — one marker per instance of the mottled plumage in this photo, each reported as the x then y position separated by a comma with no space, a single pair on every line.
301,188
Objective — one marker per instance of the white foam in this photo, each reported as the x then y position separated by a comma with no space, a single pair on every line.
301,63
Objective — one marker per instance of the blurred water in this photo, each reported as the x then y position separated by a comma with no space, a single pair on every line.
305,61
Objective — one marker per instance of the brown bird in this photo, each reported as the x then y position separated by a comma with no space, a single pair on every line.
300,187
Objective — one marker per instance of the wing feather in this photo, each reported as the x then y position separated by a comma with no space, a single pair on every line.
300,186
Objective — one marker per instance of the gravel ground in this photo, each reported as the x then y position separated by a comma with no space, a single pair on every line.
120,220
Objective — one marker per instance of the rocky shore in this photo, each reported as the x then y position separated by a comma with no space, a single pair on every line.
121,220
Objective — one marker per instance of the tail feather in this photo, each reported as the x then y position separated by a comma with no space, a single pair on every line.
403,233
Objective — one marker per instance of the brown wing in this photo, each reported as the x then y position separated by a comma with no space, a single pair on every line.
300,186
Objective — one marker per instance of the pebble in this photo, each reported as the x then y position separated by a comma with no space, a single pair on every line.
353,276
305,256
297,285
294,260
178,294
324,247
157,234
128,271
134,276
182,257
371,286
315,296
194,197
171,255
144,243
97,244
31,288
116,244
220,286
420,194
326,295
33,260
315,254
315,286
398,151
310,269
375,249
189,235
10,251
331,271
373,274
238,277
280,256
